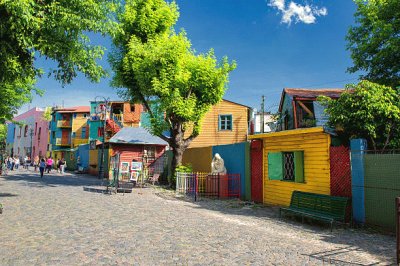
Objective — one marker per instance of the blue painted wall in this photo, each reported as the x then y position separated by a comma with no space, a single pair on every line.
358,147
236,158
10,133
83,153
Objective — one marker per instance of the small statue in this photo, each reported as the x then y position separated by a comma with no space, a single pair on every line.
217,165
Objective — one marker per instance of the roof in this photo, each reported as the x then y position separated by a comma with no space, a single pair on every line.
237,103
75,109
309,93
136,135
290,132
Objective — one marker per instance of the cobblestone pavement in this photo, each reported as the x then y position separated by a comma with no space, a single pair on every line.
53,221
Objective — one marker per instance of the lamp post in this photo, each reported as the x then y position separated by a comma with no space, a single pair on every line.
104,111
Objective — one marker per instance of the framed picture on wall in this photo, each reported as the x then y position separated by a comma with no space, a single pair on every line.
124,167
136,166
124,176
135,175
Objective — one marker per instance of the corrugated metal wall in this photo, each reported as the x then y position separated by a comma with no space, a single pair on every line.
315,144
382,186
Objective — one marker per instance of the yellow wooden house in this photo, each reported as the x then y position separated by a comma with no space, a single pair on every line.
295,160
226,123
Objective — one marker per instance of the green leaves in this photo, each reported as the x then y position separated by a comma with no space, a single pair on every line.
374,42
56,30
367,110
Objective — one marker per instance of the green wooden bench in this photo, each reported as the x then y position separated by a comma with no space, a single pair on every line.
325,208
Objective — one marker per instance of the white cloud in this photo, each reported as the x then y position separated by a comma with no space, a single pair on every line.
299,13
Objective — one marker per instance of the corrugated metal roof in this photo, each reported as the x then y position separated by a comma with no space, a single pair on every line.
136,135
76,109
313,93
309,93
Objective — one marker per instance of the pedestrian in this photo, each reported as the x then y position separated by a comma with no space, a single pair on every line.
4,168
36,162
49,164
42,165
63,164
16,162
25,162
12,161
59,166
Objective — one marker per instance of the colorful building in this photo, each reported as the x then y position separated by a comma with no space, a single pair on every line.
226,123
299,108
68,129
30,136
119,114
294,160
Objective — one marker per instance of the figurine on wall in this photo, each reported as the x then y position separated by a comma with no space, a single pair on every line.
217,165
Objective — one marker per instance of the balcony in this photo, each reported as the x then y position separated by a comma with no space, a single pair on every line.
77,142
64,123
63,142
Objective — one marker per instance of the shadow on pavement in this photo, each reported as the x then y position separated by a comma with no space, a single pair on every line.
7,195
53,179
353,240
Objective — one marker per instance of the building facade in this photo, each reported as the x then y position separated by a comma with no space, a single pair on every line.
69,128
30,136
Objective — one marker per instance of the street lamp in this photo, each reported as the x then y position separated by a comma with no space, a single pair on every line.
104,111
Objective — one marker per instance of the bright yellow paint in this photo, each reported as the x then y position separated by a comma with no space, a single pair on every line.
315,144
199,158
77,141
288,132
210,135
93,162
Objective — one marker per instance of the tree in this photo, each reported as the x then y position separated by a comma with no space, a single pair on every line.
159,69
55,30
367,110
374,42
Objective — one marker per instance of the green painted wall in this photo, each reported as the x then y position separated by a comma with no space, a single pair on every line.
382,186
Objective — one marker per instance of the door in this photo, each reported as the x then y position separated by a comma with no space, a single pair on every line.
256,160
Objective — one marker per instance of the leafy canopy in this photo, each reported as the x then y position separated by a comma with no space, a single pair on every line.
374,42
157,65
367,110
56,30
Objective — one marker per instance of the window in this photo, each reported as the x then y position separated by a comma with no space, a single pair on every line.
225,122
53,135
73,135
83,133
40,131
25,131
286,166
74,115
84,115
35,128
132,108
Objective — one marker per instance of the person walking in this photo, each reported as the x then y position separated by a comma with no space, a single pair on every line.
49,164
36,163
42,166
63,164
17,162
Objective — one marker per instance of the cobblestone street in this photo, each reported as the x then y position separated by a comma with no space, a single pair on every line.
54,221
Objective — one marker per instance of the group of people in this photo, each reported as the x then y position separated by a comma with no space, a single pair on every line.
11,163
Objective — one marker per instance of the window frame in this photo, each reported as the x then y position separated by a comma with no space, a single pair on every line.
278,171
220,121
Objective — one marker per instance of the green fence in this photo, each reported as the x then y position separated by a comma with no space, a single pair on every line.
382,186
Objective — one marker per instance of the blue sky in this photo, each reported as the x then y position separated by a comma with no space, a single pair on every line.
276,44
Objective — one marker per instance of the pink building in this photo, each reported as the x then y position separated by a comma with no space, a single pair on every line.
33,134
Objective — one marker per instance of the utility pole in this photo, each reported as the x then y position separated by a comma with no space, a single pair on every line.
262,113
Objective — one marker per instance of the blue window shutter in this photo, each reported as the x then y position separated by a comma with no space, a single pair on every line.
299,166
275,166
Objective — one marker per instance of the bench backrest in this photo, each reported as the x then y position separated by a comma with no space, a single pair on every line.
323,204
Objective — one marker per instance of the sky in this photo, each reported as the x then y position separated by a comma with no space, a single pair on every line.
276,44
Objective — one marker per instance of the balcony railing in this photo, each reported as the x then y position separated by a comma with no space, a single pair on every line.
63,142
77,142
64,123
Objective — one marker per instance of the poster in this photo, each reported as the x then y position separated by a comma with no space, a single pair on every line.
124,167
135,175
124,176
136,166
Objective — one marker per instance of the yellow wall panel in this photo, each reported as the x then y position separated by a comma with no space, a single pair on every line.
315,144
199,158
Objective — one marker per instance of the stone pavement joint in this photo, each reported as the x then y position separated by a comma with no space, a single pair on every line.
53,221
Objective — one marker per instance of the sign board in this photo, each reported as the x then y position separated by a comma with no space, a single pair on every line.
92,145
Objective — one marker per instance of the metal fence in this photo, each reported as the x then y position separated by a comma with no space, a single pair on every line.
208,185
